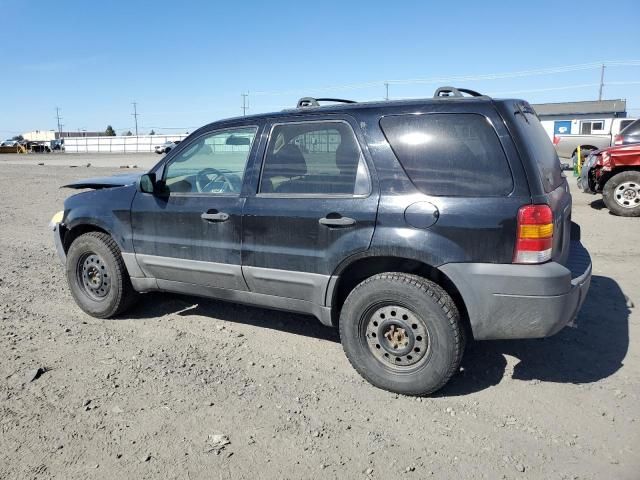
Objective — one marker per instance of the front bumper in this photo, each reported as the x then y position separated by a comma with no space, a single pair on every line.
522,301
57,240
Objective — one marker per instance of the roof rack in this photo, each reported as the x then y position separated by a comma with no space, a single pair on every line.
455,92
306,102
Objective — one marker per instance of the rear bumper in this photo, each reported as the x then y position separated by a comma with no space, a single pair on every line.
522,301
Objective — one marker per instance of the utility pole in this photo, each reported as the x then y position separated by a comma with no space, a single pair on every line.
386,86
245,103
601,82
135,115
58,117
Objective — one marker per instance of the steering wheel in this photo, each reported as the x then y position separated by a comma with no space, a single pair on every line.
204,181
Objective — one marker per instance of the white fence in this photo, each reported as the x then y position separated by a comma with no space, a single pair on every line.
130,144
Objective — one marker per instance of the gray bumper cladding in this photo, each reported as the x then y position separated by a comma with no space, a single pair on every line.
522,301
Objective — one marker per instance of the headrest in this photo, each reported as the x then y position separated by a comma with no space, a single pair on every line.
288,162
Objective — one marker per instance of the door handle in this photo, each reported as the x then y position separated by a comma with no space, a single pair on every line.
215,217
333,220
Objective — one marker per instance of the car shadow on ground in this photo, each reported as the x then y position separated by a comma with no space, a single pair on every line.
592,351
598,204
158,304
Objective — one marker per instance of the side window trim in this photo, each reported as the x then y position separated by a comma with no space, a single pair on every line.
215,131
362,162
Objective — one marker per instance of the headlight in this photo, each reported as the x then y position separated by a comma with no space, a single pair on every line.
56,219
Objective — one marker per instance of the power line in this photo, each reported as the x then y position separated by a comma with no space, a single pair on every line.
460,78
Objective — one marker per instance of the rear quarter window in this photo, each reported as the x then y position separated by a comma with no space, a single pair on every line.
450,154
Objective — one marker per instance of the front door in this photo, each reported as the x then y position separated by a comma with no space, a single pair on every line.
315,206
191,233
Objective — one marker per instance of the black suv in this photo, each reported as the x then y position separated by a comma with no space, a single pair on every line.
410,225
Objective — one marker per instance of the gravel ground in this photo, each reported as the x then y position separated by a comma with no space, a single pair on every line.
111,160
189,388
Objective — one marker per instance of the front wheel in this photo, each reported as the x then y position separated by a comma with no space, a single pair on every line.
621,194
97,276
402,333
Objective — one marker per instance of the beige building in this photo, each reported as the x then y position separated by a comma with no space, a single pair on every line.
40,135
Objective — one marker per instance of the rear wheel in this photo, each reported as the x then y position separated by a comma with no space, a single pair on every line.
402,333
621,194
97,276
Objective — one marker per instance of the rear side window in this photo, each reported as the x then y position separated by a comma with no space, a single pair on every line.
314,158
625,123
450,154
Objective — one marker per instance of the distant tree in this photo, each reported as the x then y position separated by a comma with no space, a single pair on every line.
152,132
128,133
18,138
110,132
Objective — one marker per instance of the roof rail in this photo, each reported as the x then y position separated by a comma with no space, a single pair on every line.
455,92
306,102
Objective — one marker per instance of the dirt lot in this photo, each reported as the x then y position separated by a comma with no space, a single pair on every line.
147,396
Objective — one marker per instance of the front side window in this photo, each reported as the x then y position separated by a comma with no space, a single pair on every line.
314,158
212,163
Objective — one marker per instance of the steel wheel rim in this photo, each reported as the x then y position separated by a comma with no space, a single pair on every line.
93,276
627,194
397,337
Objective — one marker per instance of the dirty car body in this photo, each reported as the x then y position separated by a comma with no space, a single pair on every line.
309,209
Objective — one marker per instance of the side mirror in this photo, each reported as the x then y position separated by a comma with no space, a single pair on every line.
147,183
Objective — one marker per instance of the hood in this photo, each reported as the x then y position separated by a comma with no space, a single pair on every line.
106,182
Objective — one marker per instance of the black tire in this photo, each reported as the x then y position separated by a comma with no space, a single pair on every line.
97,276
621,194
428,309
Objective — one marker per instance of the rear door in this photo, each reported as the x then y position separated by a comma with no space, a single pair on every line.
315,204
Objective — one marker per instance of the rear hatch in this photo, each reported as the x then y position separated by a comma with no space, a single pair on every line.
547,183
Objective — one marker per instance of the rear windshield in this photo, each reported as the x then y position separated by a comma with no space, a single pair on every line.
450,154
633,129
537,145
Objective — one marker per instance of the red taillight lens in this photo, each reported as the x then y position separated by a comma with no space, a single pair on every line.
556,140
617,140
534,241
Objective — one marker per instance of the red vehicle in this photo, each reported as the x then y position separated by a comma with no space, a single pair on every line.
614,172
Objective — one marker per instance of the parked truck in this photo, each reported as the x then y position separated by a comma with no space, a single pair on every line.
589,135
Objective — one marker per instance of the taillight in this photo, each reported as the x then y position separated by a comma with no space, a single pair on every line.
617,140
534,241
556,140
